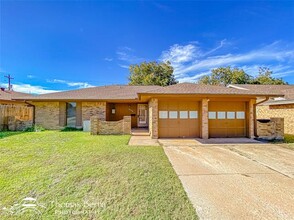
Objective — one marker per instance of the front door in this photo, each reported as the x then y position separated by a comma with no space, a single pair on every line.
142,115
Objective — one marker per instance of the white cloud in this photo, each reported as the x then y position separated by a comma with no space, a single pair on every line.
190,61
180,54
124,66
80,85
108,59
27,88
30,76
127,55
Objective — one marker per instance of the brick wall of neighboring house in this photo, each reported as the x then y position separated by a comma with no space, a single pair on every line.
93,109
47,114
281,111
153,118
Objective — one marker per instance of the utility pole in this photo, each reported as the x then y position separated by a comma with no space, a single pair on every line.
9,81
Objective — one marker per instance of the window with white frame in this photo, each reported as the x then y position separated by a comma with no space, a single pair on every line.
173,114
193,114
212,115
231,115
240,115
163,114
183,114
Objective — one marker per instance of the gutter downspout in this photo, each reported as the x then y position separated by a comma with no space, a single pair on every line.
254,114
34,110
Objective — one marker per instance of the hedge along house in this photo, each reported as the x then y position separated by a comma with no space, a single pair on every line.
181,110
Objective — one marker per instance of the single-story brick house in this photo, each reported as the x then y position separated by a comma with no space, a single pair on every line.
181,110
276,106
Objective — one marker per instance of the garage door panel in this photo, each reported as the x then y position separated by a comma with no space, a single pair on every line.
183,126
230,126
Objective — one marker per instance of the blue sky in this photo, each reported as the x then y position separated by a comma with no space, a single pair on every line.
59,45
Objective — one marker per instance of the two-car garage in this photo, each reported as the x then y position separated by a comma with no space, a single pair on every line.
183,119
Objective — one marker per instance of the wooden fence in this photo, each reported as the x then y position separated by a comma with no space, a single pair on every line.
23,113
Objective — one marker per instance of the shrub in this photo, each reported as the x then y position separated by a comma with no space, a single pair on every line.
35,128
71,129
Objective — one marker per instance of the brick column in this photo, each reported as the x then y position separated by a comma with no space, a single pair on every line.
251,118
127,124
204,119
94,125
153,118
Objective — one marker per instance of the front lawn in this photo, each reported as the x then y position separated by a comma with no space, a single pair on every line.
78,176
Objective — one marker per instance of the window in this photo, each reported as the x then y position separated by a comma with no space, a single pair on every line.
71,114
183,114
240,115
173,114
230,115
221,115
193,114
212,115
162,114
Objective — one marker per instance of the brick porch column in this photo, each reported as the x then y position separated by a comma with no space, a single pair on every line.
204,119
251,118
153,118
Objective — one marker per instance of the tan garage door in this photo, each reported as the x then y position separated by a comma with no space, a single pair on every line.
178,119
227,119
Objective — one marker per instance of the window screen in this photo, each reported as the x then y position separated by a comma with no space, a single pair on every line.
71,114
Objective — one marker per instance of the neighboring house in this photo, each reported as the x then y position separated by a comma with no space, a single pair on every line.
14,114
8,97
181,110
276,107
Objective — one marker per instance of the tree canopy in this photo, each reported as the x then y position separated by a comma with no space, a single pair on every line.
152,73
227,75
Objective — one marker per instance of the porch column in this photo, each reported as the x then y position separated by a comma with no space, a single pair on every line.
251,118
153,118
204,119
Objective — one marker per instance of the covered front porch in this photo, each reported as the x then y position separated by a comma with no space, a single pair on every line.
137,111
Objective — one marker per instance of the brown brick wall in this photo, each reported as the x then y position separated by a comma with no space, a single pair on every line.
79,122
204,119
62,114
281,111
274,129
47,114
93,109
110,127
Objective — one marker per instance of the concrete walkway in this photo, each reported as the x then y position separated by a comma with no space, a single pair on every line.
143,141
250,181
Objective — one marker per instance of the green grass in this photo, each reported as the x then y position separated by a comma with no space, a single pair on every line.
289,140
99,176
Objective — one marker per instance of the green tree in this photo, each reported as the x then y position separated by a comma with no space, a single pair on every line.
265,77
152,73
225,76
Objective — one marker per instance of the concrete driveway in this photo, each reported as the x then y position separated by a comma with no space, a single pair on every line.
246,181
